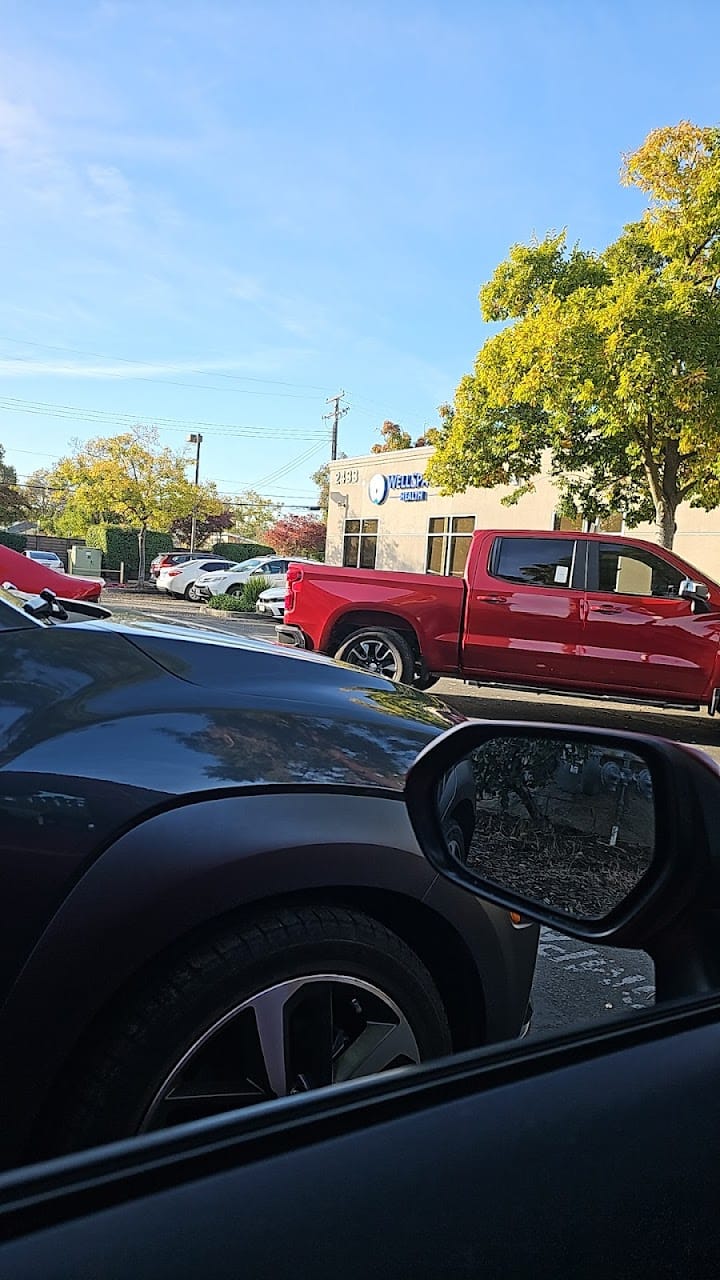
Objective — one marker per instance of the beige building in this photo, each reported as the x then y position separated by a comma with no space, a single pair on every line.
383,515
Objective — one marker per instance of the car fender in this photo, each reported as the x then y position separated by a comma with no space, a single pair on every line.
181,869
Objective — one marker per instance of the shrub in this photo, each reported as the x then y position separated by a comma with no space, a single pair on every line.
118,544
232,604
15,541
241,550
243,603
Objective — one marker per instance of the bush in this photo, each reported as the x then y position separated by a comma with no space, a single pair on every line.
232,604
118,544
238,551
15,541
246,601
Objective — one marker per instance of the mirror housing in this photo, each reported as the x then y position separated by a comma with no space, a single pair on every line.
677,875
697,592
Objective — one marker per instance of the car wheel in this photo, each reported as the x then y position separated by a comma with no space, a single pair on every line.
189,592
296,999
455,840
234,591
591,777
386,653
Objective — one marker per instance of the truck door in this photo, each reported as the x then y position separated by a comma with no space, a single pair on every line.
523,618
640,636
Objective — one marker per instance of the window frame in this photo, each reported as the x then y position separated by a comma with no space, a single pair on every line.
594,575
364,536
448,537
577,577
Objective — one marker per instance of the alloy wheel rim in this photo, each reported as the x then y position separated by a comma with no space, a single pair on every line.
373,655
289,1038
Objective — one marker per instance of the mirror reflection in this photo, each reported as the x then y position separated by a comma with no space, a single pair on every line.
564,823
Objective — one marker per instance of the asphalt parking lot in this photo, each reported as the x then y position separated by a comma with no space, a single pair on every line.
575,983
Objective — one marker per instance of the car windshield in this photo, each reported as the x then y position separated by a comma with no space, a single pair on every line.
414,308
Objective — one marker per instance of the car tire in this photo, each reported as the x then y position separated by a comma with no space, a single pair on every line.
123,1082
591,777
234,591
189,592
384,653
455,839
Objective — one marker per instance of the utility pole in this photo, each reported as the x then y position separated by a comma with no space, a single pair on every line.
197,440
334,416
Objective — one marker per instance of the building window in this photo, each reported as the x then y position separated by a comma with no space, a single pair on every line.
448,544
360,544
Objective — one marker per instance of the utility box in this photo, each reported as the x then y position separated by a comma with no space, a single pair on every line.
85,562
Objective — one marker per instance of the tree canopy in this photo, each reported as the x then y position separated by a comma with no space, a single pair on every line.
298,536
12,502
127,479
253,514
610,361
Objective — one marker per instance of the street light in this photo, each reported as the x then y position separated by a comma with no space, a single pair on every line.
196,439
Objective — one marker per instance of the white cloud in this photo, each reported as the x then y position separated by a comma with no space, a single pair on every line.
26,367
295,315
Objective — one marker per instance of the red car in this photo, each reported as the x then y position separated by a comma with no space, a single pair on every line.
31,576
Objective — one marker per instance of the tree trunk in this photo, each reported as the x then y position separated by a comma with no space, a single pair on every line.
141,555
665,526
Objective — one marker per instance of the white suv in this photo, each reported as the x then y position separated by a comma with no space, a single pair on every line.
231,582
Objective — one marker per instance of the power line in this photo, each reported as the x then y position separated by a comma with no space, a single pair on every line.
75,413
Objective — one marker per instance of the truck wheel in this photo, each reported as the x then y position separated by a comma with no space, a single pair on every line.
425,682
386,653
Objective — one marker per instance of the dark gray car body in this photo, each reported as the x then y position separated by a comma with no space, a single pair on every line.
154,780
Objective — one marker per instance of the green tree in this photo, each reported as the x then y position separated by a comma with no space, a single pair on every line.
12,501
127,479
608,360
254,515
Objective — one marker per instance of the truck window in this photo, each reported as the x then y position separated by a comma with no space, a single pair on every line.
631,571
537,562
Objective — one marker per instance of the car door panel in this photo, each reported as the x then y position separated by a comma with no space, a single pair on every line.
640,636
569,1159
525,630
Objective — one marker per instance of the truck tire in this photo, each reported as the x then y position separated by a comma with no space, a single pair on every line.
425,682
386,653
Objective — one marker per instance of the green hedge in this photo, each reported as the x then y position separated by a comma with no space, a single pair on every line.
241,550
15,541
118,544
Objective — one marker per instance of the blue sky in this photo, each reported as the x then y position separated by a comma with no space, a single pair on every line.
222,213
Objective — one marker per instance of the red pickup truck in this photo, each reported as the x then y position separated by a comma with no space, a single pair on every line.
563,612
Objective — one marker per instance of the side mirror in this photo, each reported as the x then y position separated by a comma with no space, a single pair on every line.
697,592
601,835
693,590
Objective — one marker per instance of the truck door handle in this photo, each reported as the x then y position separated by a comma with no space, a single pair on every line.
606,608
491,599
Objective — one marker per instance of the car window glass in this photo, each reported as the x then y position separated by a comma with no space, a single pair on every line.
632,571
537,562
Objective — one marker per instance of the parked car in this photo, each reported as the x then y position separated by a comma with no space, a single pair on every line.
167,558
179,579
30,575
271,602
47,558
483,1164
558,612
232,581
211,892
